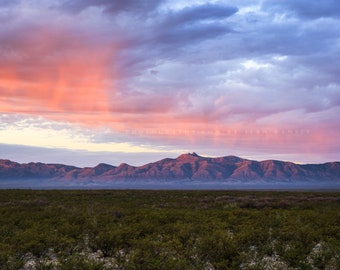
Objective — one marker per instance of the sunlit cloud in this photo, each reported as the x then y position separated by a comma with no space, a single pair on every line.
38,132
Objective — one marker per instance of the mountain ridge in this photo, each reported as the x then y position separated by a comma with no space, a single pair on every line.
189,166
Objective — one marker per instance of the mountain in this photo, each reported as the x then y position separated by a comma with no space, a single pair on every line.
185,167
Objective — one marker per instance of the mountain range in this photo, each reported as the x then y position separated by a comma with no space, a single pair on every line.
189,167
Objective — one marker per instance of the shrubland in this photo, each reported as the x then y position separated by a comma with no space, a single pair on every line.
150,229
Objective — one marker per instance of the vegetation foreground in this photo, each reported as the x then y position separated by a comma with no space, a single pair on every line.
130,229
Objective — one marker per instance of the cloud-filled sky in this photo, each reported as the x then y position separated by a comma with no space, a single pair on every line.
83,82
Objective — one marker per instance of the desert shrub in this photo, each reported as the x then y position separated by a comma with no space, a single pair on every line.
170,229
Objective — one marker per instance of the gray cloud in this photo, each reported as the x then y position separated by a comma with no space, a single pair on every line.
4,3
109,6
191,15
305,8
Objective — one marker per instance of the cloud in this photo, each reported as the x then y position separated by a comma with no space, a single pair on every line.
200,13
15,129
26,154
307,9
172,73
190,26
5,3
52,66
173,137
130,6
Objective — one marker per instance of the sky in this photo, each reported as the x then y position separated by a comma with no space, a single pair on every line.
85,81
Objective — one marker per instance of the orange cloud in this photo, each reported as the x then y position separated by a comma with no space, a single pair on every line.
55,70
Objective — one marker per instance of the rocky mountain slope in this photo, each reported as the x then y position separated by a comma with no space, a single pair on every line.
185,167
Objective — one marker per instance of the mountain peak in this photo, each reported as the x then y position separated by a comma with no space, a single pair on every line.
186,166
188,156
104,166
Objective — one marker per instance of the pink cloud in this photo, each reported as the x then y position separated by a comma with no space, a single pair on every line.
52,68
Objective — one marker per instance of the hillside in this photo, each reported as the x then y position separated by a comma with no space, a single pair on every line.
185,167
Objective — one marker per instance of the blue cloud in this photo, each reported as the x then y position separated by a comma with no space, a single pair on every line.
306,8
114,7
